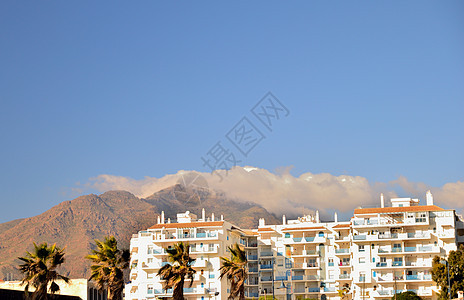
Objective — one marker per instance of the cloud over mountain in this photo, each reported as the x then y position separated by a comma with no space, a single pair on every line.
282,193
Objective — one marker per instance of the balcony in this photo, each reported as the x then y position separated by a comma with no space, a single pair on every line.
422,249
252,270
388,236
344,276
342,251
199,263
265,278
251,295
425,264
344,264
413,235
266,267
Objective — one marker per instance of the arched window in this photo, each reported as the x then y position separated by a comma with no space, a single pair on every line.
287,235
321,234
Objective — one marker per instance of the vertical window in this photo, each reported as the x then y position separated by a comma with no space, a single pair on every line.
361,248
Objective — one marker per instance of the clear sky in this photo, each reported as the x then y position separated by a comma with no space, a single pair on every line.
146,88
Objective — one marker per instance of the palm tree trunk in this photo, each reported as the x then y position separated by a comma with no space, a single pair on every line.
178,293
242,292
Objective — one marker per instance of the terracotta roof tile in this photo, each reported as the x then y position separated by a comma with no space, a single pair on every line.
265,229
188,225
342,226
397,209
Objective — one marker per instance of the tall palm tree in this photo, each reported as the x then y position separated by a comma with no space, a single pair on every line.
179,267
39,270
235,270
108,267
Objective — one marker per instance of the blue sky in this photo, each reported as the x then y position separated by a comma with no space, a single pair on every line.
374,89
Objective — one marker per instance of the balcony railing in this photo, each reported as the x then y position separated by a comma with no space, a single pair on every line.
341,251
253,270
314,290
265,266
298,277
344,276
359,237
252,257
266,254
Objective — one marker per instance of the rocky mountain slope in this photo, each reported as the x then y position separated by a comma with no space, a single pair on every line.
75,224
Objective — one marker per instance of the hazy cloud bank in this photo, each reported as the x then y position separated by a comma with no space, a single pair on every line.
282,193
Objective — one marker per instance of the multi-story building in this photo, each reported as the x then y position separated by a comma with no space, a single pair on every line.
208,239
378,251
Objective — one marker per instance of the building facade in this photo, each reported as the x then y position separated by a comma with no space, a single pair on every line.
378,251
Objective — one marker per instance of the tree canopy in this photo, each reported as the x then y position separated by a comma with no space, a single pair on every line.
409,295
456,273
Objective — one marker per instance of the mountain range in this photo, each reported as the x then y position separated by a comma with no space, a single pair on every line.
75,224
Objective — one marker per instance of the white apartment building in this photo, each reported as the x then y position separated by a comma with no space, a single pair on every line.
378,251
208,239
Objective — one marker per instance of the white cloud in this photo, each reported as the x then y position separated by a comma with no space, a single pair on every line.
283,193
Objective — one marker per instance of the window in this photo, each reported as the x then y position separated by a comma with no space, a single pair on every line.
331,274
150,250
362,260
321,234
150,289
361,248
150,260
383,259
331,262
287,235
362,276
372,246
202,285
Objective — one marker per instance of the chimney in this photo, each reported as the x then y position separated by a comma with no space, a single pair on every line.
429,198
261,222
284,220
162,217
212,217
222,217
317,216
203,215
382,201
159,220
335,217
169,220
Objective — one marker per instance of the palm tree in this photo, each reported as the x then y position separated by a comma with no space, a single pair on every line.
108,267
179,267
235,269
343,292
39,270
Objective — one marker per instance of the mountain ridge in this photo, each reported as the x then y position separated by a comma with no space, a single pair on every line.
75,224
